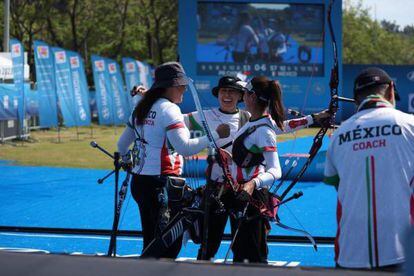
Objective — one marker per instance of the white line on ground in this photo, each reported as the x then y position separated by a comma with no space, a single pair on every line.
276,244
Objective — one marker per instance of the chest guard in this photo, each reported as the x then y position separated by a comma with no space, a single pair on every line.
241,155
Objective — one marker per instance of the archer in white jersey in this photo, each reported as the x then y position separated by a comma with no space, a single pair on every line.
229,92
158,130
371,161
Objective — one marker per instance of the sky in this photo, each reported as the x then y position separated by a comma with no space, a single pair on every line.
400,11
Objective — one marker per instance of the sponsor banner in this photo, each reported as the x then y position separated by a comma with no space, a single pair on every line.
46,85
80,89
143,74
148,73
17,54
64,86
103,97
132,79
8,102
121,103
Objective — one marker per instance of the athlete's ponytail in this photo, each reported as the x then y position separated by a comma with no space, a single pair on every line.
269,95
144,106
276,109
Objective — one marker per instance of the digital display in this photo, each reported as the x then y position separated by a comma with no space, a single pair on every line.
276,40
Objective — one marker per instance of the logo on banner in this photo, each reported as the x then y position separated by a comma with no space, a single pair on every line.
411,102
105,113
130,67
318,89
43,51
112,68
74,62
6,102
60,57
16,50
410,76
100,65
82,114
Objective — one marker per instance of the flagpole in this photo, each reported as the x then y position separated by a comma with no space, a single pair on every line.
6,33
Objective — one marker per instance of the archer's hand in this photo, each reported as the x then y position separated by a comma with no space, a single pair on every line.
126,162
248,187
322,118
223,130
138,90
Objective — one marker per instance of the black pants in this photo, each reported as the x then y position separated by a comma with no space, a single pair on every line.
216,226
145,190
250,243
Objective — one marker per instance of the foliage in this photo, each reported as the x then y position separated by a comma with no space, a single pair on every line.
147,30
74,151
366,41
143,29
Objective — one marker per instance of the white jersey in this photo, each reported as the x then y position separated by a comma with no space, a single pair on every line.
157,156
215,117
371,159
263,139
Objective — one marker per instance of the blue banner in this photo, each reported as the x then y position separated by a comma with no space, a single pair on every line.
148,73
46,86
64,86
132,79
8,102
122,108
143,74
80,89
103,91
17,54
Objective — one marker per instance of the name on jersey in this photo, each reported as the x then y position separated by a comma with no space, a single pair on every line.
150,118
369,132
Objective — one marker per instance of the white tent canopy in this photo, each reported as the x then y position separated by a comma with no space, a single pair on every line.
6,67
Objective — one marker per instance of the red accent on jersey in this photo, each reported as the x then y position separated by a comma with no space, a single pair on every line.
297,123
239,177
269,148
176,125
169,167
256,172
374,207
412,210
338,231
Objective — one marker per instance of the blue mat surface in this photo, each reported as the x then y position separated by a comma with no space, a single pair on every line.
71,198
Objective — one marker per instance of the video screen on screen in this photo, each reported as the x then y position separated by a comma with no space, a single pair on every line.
261,38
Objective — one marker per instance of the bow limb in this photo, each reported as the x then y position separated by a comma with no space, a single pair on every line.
212,143
333,107
303,232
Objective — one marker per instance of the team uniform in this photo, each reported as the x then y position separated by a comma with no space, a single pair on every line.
214,118
159,140
255,157
236,121
370,159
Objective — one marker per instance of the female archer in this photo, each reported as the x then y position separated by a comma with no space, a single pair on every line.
157,128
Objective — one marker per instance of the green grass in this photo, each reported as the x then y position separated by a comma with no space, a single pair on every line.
44,148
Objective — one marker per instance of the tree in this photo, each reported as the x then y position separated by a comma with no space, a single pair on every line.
366,41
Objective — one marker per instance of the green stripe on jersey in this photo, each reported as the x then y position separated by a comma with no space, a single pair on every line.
256,149
332,180
194,125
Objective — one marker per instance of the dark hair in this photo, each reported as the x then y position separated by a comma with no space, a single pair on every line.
269,95
381,89
147,101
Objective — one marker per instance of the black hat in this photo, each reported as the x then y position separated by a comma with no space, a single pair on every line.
169,74
373,76
230,82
